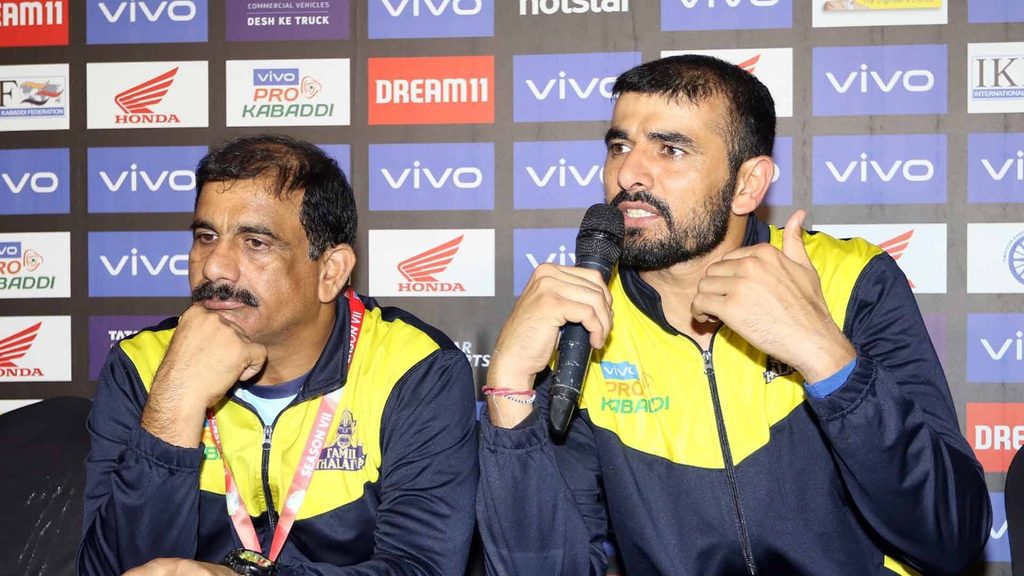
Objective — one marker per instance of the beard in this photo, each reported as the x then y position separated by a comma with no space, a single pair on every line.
697,235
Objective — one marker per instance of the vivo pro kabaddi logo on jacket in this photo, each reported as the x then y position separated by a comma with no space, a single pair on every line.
139,263
626,392
294,20
432,176
33,23
134,180
876,169
145,21
430,18
562,174
870,80
35,181
431,90
678,15
567,87
346,452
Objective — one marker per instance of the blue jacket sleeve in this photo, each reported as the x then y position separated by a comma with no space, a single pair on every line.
893,429
136,485
540,508
429,475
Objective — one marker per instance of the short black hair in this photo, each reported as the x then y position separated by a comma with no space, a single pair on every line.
750,128
328,213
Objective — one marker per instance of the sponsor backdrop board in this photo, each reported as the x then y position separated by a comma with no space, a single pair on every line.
472,132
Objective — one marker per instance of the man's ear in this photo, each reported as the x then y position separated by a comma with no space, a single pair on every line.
752,182
336,265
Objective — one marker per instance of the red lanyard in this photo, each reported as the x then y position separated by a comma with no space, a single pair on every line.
307,464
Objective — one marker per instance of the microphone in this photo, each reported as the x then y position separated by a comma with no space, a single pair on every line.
598,247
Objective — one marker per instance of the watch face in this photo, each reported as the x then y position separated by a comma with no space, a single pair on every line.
254,558
248,562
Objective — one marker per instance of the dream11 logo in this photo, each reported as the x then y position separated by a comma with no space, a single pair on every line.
33,23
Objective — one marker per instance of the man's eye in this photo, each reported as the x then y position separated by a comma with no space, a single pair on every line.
256,243
205,237
673,151
618,148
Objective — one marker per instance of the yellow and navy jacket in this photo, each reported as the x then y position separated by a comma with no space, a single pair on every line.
718,462
394,487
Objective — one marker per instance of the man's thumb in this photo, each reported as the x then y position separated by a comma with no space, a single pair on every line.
792,239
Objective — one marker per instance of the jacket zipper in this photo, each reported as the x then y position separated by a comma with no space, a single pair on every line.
730,469
268,431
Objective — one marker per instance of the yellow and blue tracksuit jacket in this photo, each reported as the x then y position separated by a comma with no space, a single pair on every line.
394,484
718,462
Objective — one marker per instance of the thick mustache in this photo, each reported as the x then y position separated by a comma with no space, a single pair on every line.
209,291
645,197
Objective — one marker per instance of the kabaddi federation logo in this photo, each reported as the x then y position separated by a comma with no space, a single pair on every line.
40,93
420,269
346,453
136,102
15,347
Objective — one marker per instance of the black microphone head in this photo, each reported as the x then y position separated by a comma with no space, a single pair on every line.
601,233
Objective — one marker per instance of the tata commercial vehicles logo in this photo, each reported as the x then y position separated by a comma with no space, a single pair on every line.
35,181
138,263
33,23
995,348
34,97
295,20
995,77
430,18
432,176
431,90
875,169
133,180
995,431
567,87
35,265
147,95
919,249
995,167
877,80
995,258
772,66
145,21
989,12
836,13
106,331
549,7
562,174
288,92
532,247
432,262
679,15
35,348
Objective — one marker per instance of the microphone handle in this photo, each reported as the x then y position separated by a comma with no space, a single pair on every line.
573,358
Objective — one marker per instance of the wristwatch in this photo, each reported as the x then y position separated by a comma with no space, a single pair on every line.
250,563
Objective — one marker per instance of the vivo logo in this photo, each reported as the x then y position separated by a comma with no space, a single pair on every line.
1016,344
865,80
1014,164
565,86
564,172
141,10
177,264
728,3
275,76
10,249
619,371
562,258
38,182
917,170
434,7
177,180
464,177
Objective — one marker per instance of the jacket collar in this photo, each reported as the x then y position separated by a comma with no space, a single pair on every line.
647,299
331,369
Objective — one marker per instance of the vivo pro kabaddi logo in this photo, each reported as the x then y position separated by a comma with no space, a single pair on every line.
420,269
136,101
346,453
15,347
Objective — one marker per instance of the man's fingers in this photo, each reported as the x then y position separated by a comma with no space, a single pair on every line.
793,239
707,307
257,357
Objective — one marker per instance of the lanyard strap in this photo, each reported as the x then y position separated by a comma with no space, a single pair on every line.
307,464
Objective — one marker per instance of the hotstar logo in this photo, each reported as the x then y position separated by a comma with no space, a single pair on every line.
14,347
420,269
136,101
